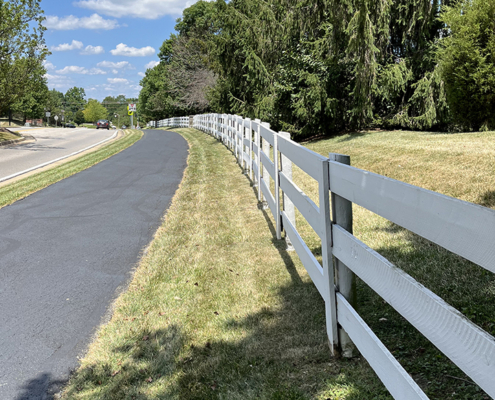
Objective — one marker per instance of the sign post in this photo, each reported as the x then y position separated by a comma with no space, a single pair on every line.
56,119
48,114
132,108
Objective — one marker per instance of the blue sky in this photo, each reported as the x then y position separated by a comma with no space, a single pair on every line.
104,46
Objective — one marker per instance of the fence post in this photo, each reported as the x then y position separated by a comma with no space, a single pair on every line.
287,204
235,126
266,175
278,221
326,255
250,149
258,159
345,280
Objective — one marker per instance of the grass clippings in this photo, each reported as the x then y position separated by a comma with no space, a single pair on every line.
22,188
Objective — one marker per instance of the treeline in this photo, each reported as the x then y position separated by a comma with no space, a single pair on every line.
23,85
75,108
326,66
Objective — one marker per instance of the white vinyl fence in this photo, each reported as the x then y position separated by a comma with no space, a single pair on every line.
461,227
176,122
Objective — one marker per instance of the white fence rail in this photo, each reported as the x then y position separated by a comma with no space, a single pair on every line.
461,227
176,122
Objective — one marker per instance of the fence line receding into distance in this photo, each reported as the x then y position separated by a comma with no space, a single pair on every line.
461,227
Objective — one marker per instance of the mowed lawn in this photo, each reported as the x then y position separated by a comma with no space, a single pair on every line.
218,309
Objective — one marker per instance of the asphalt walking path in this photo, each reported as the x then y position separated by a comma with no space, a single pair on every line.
68,250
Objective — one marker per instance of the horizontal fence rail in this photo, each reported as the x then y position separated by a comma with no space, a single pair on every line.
463,228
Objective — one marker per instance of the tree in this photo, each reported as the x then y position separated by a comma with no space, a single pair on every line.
74,100
54,104
32,103
467,63
22,49
94,111
189,75
79,118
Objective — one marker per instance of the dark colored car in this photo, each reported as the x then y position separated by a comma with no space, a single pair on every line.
103,123
70,126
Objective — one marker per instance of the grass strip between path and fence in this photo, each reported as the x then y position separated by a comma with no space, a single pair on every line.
24,187
217,307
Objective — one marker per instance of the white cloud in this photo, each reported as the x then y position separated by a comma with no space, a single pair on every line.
151,64
97,71
74,69
115,65
126,51
141,74
49,66
71,22
58,81
117,80
147,9
92,50
75,45
115,71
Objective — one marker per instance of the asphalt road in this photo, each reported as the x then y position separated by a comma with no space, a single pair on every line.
50,144
66,252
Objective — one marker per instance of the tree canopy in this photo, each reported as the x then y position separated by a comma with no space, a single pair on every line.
94,111
22,52
325,66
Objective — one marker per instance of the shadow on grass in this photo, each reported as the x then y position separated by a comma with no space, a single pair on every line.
462,284
282,354
487,199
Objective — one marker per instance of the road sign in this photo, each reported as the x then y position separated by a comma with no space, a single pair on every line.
132,107
56,117
48,114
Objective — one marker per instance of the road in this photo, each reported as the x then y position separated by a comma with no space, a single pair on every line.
50,144
65,253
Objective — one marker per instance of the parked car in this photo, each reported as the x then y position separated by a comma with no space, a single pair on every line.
123,126
70,125
103,123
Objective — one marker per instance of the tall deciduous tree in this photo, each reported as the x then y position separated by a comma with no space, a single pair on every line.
94,111
22,49
74,99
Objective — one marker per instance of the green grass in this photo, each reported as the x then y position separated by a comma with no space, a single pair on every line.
4,136
24,187
219,310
